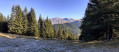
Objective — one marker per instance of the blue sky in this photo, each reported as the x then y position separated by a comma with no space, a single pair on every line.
51,8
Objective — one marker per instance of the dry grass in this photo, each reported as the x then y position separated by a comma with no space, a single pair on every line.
20,43
7,36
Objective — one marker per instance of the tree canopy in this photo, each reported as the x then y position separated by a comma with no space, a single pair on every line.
101,20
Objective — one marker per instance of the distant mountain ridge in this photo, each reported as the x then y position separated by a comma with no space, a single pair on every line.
76,22
62,21
58,21
70,23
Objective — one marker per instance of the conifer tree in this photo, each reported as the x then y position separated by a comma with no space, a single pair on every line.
3,24
56,33
11,23
40,25
32,26
43,30
99,21
60,33
25,21
72,37
66,33
18,20
48,31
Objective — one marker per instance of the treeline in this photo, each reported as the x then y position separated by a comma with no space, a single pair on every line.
64,34
23,22
3,23
101,21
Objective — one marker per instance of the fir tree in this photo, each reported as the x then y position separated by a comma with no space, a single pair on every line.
18,20
3,23
60,33
66,33
11,23
100,20
56,33
43,30
72,37
40,25
25,21
32,26
49,29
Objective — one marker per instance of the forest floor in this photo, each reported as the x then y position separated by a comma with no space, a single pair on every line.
19,43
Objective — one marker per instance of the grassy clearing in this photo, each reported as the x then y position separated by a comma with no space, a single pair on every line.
13,43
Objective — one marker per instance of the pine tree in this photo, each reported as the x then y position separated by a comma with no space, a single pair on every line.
60,33
32,26
72,37
40,25
11,22
43,30
66,33
1,21
3,25
49,32
25,21
99,21
18,20
56,33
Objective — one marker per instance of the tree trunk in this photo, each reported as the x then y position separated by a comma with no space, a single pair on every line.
109,33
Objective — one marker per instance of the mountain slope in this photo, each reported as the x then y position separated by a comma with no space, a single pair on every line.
72,28
77,23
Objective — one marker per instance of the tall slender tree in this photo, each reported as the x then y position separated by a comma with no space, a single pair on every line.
56,33
66,33
18,20
25,21
11,23
49,29
40,25
60,33
3,24
43,30
32,26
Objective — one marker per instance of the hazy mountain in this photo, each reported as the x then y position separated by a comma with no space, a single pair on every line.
76,22
58,21
62,21
70,20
